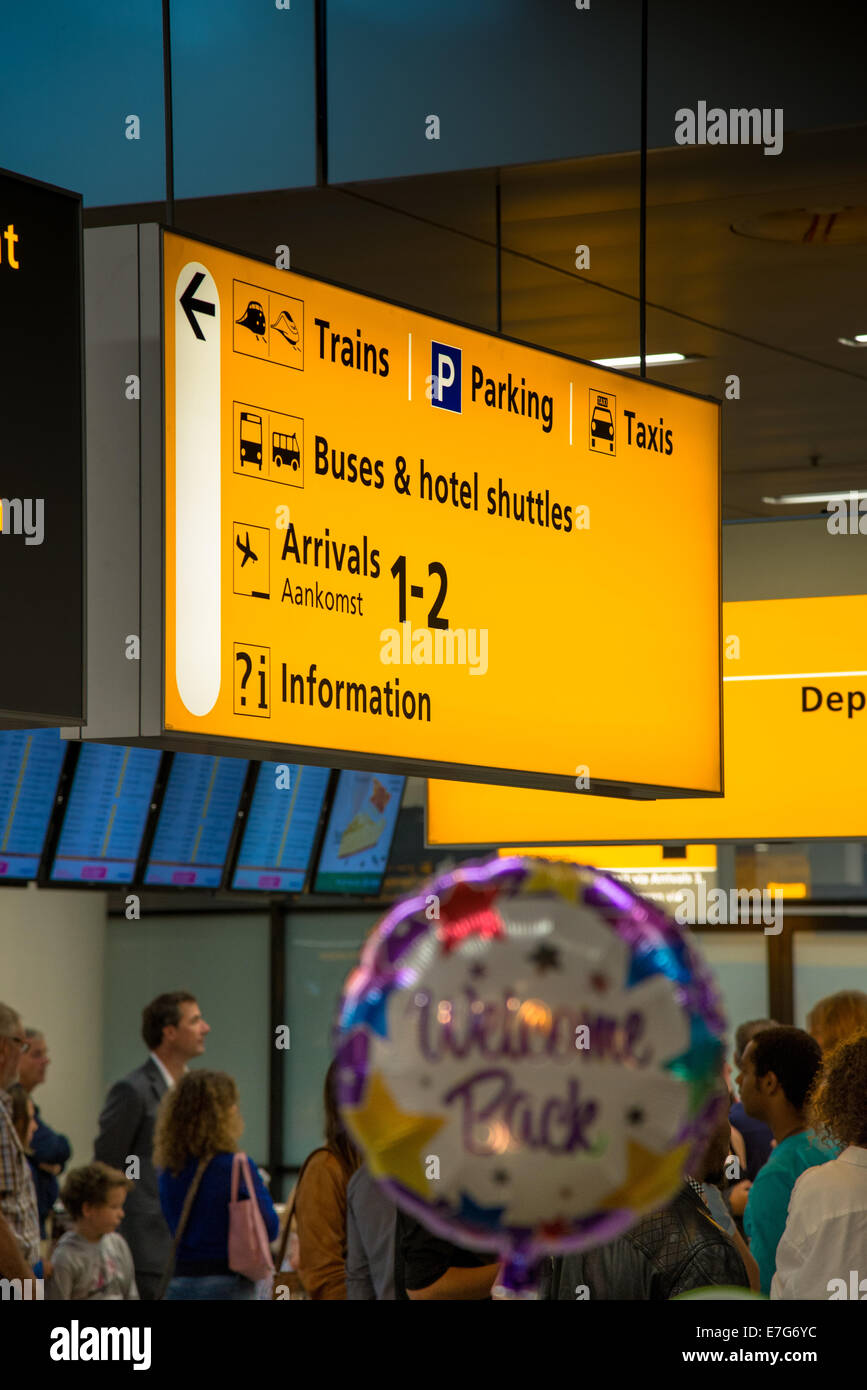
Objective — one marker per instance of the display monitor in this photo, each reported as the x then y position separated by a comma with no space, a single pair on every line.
358,836
280,833
30,764
195,821
108,806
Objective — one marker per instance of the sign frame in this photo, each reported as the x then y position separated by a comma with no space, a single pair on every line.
149,717
13,719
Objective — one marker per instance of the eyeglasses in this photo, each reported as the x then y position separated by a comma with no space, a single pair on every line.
22,1042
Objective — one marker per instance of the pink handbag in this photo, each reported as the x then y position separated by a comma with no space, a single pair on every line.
249,1248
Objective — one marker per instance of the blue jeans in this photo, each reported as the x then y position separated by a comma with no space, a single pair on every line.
185,1288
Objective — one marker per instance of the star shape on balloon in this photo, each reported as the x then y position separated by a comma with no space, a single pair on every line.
468,911
477,1215
552,1229
546,877
545,958
393,1139
369,1008
651,1177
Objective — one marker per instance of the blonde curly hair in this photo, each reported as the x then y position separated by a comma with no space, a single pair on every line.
837,1017
196,1119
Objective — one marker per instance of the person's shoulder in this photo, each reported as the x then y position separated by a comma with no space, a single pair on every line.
744,1122
360,1180
324,1161
133,1082
70,1243
115,1245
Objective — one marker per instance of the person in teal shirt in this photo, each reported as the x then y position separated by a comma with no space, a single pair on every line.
778,1069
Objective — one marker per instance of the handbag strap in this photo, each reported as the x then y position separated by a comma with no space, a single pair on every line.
185,1214
290,1211
240,1161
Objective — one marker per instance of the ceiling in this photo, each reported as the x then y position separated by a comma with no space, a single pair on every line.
770,312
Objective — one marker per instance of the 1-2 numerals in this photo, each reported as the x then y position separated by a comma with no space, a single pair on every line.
434,620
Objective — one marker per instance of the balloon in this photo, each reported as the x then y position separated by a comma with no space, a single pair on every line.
529,1056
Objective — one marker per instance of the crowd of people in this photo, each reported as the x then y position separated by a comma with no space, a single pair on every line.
171,1208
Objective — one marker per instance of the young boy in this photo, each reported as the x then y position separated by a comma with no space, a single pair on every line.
92,1261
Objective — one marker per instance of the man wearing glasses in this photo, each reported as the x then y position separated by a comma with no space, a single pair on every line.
17,1193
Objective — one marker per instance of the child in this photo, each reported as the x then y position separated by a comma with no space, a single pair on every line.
92,1261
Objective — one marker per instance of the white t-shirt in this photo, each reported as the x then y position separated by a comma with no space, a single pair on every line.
825,1239
84,1269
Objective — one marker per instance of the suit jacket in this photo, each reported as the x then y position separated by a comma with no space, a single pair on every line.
126,1126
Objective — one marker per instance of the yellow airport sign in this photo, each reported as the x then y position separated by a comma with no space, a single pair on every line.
795,698
393,541
629,859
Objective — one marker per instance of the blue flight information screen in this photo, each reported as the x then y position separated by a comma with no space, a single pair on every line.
281,827
360,830
30,764
105,815
196,820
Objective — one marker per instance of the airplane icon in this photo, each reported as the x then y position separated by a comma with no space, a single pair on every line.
255,583
246,549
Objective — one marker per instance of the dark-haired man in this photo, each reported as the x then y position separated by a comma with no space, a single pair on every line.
778,1069
174,1032
756,1135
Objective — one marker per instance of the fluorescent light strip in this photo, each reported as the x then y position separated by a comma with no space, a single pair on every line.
797,676
653,359
796,497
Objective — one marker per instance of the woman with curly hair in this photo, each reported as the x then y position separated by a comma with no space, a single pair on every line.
200,1118
825,1241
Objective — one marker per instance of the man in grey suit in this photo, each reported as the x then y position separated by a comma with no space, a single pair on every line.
174,1032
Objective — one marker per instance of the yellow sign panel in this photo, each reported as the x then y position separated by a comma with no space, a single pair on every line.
389,537
795,698
629,859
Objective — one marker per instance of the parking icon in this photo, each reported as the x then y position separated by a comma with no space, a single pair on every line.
444,382
603,410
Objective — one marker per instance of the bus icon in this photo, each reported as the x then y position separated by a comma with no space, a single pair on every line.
285,452
250,441
602,410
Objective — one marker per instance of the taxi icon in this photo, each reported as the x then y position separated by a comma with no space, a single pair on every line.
602,407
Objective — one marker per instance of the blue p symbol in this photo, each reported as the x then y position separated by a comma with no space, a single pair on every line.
445,364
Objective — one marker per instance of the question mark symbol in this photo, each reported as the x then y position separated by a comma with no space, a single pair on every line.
242,656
